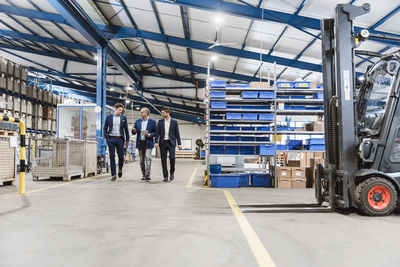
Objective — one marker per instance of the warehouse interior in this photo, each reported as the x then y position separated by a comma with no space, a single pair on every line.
287,149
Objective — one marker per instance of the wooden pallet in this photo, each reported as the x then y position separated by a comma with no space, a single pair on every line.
7,182
65,178
185,154
88,174
7,133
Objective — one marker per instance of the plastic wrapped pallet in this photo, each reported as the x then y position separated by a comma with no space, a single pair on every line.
39,123
10,68
17,71
3,83
3,65
10,103
7,160
54,99
23,106
28,121
45,96
24,74
17,104
54,126
17,86
39,94
90,158
40,110
23,89
54,114
10,84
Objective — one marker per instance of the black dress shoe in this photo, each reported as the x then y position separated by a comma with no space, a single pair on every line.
113,178
172,178
165,179
148,179
143,178
119,173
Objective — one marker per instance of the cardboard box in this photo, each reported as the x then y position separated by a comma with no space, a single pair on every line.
310,173
298,172
313,85
47,113
299,183
260,85
284,183
293,163
319,155
318,126
308,126
284,172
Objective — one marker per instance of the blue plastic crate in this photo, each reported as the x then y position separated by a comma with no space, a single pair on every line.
217,150
230,86
295,107
249,107
266,150
216,117
247,150
218,105
217,128
232,150
316,147
283,97
225,180
242,86
249,94
298,97
217,138
250,116
314,108
260,180
218,84
232,128
215,168
266,95
248,128
244,180
267,107
232,138
233,116
247,138
282,128
318,95
293,144
202,153
233,107
218,94
286,107
262,139
264,129
315,141
266,117
282,147
284,84
301,84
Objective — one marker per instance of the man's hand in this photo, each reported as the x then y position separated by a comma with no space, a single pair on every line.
179,147
148,135
126,144
134,130
156,145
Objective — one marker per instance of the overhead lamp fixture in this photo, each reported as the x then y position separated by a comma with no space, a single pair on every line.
218,20
127,101
96,57
111,88
137,108
213,58
211,78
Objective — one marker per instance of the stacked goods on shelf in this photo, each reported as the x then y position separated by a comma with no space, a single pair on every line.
7,158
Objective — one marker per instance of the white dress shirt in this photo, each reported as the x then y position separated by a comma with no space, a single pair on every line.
144,127
167,123
116,126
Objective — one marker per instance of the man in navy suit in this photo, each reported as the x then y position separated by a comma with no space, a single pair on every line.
117,135
167,137
145,128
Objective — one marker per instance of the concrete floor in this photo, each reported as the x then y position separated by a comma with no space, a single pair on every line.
133,223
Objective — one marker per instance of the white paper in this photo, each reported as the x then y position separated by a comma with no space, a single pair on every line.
13,141
144,132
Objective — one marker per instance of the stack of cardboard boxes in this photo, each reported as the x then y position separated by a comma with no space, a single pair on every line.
299,171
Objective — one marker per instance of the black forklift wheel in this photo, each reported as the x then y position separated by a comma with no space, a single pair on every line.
376,196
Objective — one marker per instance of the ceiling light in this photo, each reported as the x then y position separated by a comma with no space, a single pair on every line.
213,58
218,20
211,78
112,89
137,108
127,101
96,57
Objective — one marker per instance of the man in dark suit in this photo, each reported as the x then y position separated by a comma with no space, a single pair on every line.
145,128
167,137
117,135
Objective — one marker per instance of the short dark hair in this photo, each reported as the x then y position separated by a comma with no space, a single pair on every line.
118,105
166,109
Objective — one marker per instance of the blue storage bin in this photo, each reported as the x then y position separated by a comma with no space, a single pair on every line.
318,95
250,116
218,84
315,141
282,128
266,150
225,180
301,84
293,144
293,107
316,147
247,150
217,150
232,128
248,128
314,108
266,95
217,138
232,150
247,138
244,180
264,129
260,180
262,139
221,105
218,94
215,168
282,147
249,107
242,86
249,94
232,138
233,107
202,153
217,128
266,117
284,84
216,117
283,97
233,116
267,107
298,97
229,86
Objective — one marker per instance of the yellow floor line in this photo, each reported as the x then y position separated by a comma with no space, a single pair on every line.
64,184
191,179
260,253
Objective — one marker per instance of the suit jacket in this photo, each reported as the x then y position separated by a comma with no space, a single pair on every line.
123,127
174,135
151,128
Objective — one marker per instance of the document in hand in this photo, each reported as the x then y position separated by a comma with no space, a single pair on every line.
144,132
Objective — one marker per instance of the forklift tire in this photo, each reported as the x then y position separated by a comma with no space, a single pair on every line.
376,196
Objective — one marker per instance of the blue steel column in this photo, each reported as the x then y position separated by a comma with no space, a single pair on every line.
101,98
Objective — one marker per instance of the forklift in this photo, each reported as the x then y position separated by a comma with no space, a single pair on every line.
362,125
